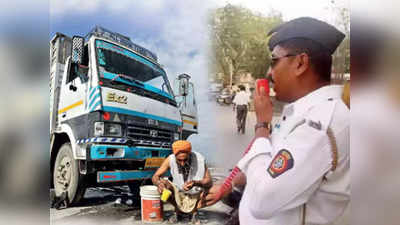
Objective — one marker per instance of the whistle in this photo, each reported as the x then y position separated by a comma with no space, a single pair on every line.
263,83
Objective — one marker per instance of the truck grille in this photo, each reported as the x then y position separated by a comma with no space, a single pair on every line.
154,137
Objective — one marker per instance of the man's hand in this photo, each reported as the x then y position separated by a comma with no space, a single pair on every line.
156,179
202,202
188,185
263,106
214,195
161,185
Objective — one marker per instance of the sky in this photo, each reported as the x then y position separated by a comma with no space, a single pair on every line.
175,30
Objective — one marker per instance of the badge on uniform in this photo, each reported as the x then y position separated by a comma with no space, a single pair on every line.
282,162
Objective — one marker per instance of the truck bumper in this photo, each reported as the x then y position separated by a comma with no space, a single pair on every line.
121,152
142,162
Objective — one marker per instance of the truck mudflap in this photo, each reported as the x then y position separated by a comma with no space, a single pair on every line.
117,176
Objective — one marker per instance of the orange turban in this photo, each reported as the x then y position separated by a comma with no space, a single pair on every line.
181,146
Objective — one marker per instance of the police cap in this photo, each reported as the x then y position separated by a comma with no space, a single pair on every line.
308,28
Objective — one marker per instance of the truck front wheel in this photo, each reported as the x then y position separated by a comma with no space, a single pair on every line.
66,175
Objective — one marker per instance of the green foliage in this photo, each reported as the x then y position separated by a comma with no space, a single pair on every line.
341,58
239,41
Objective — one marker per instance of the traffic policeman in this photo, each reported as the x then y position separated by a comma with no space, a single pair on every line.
298,171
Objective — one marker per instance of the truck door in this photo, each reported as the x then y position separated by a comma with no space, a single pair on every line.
74,89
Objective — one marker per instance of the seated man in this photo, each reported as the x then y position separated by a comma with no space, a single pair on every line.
188,170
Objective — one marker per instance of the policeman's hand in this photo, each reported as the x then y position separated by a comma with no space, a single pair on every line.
214,195
188,185
263,105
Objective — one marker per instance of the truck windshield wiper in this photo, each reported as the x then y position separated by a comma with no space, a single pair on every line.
128,78
148,93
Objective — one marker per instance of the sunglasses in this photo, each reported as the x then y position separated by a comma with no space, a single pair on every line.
275,60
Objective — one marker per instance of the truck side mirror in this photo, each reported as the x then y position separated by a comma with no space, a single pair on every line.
192,88
183,87
77,49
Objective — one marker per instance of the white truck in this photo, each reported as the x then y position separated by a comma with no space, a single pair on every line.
113,113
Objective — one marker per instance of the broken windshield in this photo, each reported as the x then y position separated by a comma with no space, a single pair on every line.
119,61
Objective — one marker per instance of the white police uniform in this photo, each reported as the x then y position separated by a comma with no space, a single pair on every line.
300,174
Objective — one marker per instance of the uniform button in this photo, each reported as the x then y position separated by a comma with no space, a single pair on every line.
330,99
284,118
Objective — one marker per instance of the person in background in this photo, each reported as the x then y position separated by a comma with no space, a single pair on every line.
241,104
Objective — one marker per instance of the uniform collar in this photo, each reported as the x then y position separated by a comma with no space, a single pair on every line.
300,106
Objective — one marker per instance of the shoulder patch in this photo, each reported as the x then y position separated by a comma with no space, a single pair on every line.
282,162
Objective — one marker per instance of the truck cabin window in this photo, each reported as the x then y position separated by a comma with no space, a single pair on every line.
143,71
81,70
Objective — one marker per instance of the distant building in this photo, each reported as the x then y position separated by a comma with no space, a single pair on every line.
245,79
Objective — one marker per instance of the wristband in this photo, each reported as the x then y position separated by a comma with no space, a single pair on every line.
262,124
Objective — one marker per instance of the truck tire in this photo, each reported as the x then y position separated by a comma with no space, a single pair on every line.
66,176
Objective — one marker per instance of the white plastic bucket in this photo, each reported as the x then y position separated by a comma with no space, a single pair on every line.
152,208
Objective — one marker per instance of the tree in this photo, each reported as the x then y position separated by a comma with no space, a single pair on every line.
239,41
341,58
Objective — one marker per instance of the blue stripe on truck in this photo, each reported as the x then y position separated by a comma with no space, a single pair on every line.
92,91
97,96
95,106
109,176
140,114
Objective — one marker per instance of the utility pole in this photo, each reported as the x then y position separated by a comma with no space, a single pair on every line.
231,75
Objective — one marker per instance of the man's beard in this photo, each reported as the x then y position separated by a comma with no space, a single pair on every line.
185,169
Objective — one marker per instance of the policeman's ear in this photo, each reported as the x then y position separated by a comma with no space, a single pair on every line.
302,64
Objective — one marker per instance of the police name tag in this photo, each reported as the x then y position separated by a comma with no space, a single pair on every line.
282,162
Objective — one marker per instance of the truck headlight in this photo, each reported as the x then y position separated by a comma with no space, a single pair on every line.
176,136
107,129
98,128
113,129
